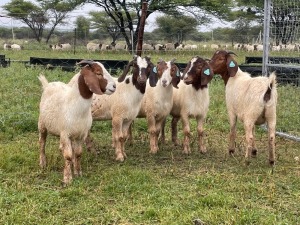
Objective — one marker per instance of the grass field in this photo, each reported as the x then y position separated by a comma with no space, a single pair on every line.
167,188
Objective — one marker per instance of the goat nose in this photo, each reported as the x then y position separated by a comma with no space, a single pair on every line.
114,86
142,79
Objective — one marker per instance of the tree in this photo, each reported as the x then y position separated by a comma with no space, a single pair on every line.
100,21
32,15
285,16
175,29
120,11
83,27
38,16
57,12
285,19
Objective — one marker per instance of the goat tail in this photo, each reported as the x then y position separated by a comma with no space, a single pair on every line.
43,80
272,79
271,91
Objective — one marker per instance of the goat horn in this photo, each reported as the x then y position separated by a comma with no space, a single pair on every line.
230,52
85,62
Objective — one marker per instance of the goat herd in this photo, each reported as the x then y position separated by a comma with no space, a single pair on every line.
152,92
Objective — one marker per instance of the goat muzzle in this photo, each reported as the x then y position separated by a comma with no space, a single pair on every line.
142,79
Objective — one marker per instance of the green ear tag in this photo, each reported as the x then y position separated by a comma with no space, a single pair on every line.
206,72
231,64
177,73
154,69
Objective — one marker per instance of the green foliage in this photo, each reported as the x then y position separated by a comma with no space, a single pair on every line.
176,29
21,9
36,17
83,27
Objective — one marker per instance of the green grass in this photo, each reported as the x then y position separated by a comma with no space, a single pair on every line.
166,188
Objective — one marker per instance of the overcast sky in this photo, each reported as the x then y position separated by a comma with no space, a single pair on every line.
84,10
80,11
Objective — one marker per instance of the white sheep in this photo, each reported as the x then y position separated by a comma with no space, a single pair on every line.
259,47
171,46
180,47
6,46
65,111
252,100
65,46
214,46
159,47
16,47
190,47
148,47
191,99
119,46
93,46
158,99
123,106
249,48
55,47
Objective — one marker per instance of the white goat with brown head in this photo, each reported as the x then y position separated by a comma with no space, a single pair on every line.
191,99
158,99
123,106
252,100
65,111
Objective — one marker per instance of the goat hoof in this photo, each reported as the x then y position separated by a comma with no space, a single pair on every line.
254,152
42,165
176,142
43,162
272,162
77,173
186,152
203,150
231,151
247,162
120,158
154,151
67,181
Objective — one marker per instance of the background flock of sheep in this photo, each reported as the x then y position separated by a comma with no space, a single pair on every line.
152,91
91,46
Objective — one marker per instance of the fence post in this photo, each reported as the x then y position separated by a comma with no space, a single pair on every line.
75,35
141,30
266,44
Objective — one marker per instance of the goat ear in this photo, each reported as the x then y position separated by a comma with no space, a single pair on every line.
92,81
232,66
125,71
206,74
153,77
176,79
85,62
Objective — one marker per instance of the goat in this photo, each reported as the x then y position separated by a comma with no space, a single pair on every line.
191,99
65,111
123,106
252,100
158,99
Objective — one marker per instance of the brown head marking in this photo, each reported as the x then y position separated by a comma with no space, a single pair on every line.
224,64
91,79
198,73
